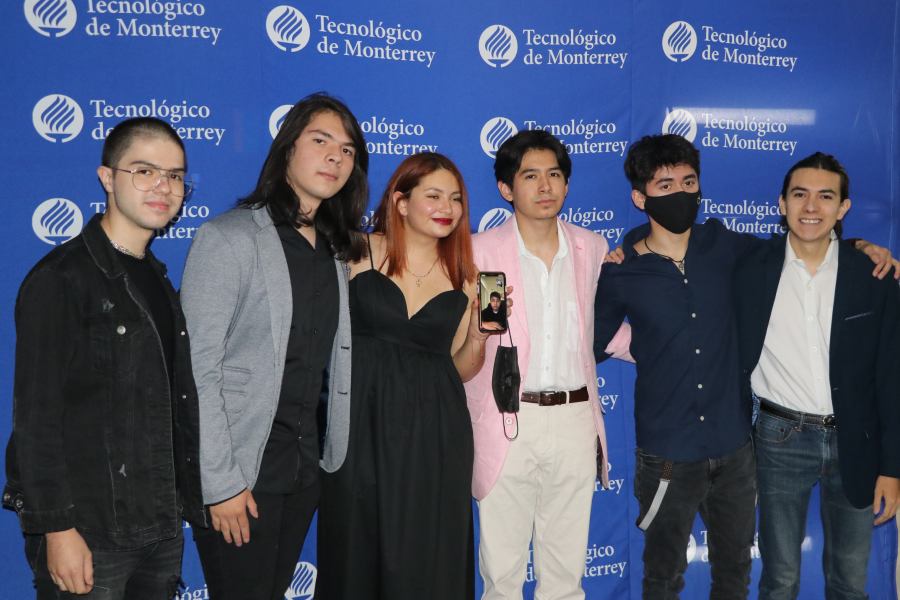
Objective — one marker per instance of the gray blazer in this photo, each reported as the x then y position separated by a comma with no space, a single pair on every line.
236,295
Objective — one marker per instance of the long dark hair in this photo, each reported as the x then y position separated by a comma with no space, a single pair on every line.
337,218
455,250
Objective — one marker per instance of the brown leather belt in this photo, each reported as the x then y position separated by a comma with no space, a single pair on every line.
555,398
827,421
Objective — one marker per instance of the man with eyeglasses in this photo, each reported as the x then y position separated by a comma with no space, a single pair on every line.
103,461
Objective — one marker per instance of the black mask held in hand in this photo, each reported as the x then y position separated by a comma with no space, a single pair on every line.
506,379
676,212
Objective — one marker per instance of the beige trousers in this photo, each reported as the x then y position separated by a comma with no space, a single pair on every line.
543,495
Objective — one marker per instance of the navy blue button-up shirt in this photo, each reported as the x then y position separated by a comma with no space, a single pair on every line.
687,401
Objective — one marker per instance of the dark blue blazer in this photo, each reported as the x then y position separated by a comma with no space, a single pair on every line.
864,363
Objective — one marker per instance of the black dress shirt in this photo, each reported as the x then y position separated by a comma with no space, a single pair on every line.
687,400
291,457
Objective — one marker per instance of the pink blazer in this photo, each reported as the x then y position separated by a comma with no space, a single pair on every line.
497,250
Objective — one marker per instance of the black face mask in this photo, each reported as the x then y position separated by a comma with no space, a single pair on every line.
676,212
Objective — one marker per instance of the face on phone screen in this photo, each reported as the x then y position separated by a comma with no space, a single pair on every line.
492,298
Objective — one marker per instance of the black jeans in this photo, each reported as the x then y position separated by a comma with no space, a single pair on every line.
724,491
263,568
149,573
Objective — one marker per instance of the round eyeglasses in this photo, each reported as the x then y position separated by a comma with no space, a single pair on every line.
146,179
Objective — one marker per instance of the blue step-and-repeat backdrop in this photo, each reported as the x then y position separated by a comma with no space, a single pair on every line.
756,86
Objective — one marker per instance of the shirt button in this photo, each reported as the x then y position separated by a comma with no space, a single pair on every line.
685,280
315,331
121,330
548,336
183,333
696,350
508,421
693,315
699,386
184,396
702,418
814,349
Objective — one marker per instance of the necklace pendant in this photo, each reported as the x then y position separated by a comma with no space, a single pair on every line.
418,283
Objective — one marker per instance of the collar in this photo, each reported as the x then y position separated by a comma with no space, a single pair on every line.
830,260
104,255
562,250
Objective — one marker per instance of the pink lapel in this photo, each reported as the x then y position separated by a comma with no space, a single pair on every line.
579,262
507,252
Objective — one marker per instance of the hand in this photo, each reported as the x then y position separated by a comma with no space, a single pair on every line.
69,561
230,517
615,256
887,489
881,257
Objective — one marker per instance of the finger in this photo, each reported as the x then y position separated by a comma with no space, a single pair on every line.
244,525
896,265
876,503
226,531
88,570
216,523
251,506
882,269
80,587
66,584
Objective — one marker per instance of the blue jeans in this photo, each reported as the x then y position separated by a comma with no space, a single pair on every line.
791,457
723,490
149,573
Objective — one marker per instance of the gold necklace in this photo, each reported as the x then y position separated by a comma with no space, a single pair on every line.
679,264
418,277
126,251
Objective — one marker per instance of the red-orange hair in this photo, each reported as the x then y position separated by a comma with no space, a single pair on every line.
455,250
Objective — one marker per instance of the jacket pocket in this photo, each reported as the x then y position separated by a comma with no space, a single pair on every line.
868,313
235,379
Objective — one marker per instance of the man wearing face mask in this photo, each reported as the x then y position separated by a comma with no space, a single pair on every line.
692,427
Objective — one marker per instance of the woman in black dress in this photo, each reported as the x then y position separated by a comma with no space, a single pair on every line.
395,521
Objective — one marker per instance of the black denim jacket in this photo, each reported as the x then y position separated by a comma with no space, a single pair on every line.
99,442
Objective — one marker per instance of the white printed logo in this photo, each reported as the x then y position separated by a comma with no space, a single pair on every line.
691,548
494,218
303,584
51,18
287,28
57,118
277,118
679,41
680,122
495,132
498,45
56,221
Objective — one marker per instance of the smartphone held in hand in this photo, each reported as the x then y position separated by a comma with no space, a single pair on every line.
492,300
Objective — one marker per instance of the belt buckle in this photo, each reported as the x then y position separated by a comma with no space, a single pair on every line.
828,421
550,398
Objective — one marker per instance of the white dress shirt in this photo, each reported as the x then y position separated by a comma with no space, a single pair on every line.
552,313
793,367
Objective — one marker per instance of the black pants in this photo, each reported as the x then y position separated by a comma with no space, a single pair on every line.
263,568
149,573
723,490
